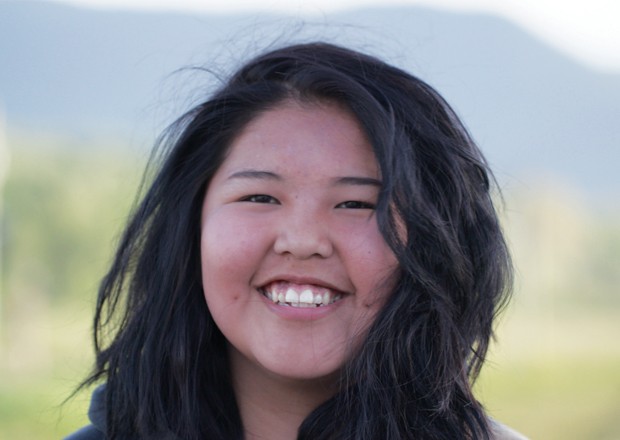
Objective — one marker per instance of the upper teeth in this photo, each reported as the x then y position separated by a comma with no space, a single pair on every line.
305,298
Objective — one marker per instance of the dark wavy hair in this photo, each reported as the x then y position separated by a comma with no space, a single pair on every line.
164,359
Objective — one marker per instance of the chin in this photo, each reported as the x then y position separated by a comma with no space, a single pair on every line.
304,371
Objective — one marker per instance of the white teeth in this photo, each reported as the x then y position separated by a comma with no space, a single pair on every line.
303,305
291,296
307,297
327,296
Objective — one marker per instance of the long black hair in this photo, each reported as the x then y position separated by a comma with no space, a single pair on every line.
164,359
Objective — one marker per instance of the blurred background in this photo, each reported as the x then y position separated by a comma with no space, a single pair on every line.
87,86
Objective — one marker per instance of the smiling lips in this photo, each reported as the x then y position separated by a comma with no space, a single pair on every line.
300,295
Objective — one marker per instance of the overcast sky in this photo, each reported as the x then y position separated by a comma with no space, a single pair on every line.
586,29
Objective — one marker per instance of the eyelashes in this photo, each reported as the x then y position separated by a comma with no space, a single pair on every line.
267,199
260,198
356,204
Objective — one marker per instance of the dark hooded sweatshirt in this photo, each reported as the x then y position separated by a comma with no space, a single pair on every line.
96,430
96,414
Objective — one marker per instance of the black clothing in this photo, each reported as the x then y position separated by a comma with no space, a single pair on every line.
96,414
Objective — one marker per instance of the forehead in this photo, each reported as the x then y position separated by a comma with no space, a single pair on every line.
310,137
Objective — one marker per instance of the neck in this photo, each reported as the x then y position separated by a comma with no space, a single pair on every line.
272,407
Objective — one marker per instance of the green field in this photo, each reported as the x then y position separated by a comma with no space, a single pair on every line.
554,372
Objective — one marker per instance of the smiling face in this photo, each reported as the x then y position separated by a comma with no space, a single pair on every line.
294,267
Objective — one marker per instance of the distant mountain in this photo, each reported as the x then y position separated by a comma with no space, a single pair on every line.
84,74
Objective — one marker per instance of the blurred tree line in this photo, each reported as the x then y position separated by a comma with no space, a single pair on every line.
64,206
63,209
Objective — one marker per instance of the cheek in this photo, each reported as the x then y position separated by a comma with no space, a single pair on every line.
376,276
376,254
374,266
217,249
230,251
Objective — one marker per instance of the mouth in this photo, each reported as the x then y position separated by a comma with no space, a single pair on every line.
285,293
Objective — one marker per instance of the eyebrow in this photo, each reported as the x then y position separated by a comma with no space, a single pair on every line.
359,181
268,175
254,174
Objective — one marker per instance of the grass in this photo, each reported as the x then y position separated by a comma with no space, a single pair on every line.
565,400
556,376
35,384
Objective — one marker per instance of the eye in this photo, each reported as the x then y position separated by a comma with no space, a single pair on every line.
355,204
259,198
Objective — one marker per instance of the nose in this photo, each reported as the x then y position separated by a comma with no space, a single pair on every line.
303,235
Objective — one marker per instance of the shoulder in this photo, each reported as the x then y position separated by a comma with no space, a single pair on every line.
86,433
503,432
96,413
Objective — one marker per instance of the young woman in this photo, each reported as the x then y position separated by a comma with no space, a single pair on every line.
317,257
